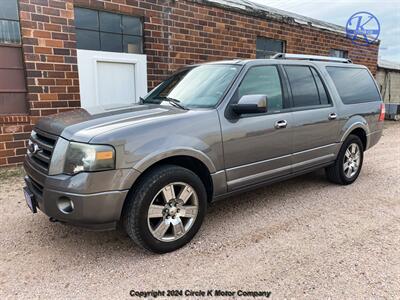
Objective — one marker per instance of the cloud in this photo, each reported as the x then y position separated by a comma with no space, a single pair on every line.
339,11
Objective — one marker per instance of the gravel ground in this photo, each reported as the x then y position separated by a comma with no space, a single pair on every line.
302,237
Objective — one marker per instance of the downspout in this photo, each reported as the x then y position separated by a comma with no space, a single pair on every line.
167,22
390,87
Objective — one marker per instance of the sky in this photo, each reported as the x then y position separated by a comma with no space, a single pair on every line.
339,11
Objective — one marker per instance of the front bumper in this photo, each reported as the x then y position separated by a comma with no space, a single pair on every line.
96,199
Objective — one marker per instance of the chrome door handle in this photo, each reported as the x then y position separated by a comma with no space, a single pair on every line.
332,116
280,124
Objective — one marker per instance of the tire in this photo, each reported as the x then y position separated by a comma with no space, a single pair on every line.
337,172
184,218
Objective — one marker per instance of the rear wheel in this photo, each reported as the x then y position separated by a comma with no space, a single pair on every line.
166,209
348,163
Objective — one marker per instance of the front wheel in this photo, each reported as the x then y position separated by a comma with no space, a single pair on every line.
349,162
166,209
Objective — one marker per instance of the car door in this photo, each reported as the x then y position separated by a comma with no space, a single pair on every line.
258,147
315,123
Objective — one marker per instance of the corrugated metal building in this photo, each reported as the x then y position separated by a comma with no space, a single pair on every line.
388,77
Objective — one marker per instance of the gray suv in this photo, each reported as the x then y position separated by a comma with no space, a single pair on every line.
207,132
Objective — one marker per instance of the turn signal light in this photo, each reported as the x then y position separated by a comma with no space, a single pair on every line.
382,114
104,155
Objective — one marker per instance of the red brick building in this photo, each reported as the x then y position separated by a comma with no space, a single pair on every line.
39,41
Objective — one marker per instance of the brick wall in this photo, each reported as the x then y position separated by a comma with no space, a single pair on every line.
176,33
14,131
49,53
48,37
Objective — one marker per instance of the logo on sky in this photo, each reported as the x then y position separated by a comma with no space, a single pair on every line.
365,26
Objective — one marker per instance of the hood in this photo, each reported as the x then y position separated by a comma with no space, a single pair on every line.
80,125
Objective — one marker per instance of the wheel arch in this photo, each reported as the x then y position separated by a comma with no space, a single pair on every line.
154,158
190,162
359,127
360,132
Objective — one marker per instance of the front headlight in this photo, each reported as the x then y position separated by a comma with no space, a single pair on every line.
87,158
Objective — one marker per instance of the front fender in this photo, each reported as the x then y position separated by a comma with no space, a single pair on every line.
155,157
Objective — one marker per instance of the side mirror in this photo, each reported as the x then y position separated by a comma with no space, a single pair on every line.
251,104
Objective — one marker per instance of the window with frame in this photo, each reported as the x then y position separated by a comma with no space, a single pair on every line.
354,85
9,22
266,47
306,86
263,80
338,53
105,31
12,73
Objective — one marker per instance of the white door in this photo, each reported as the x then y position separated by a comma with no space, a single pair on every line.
110,80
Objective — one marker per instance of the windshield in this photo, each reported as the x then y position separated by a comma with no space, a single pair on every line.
201,86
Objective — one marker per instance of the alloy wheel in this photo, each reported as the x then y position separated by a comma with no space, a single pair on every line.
351,160
172,211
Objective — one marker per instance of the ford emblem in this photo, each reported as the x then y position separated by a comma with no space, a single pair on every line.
33,147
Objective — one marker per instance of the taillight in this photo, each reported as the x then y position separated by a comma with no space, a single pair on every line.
382,113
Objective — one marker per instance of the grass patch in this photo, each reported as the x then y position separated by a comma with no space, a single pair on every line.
6,173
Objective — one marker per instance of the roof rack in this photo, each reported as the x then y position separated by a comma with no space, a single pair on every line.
311,57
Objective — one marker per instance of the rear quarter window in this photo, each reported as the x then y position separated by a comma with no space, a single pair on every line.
354,85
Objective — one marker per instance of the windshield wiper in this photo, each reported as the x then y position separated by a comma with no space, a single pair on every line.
172,101
175,102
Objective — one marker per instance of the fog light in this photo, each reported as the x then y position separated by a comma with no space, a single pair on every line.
65,205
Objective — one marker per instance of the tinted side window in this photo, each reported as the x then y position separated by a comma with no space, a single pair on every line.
263,80
323,96
354,85
302,84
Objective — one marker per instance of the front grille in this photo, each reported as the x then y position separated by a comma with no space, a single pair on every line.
38,188
40,150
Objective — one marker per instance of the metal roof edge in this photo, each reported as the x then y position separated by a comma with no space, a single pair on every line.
267,12
387,64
